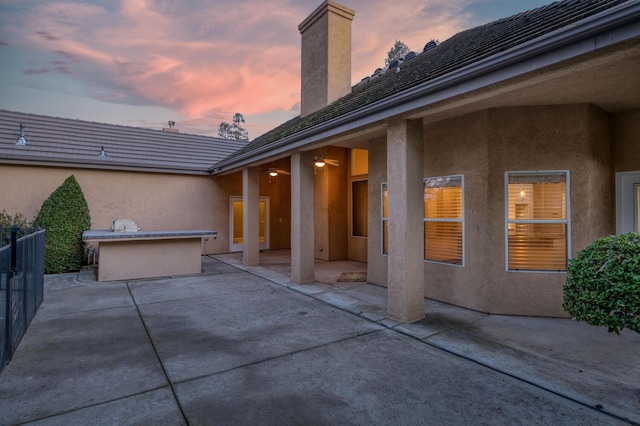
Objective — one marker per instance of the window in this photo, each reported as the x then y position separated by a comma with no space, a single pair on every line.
537,222
443,219
359,205
385,218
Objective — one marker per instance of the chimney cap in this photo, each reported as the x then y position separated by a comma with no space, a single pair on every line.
326,6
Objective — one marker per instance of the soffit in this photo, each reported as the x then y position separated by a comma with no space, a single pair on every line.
609,80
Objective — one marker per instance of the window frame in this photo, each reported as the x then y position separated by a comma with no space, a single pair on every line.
566,221
383,218
460,220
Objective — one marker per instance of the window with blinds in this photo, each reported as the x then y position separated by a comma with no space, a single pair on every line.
537,220
384,213
444,219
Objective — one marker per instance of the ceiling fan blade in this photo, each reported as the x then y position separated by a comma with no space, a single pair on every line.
332,162
284,172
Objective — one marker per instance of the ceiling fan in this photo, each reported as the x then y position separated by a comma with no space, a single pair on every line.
273,172
320,161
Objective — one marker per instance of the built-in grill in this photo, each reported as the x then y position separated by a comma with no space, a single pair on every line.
124,225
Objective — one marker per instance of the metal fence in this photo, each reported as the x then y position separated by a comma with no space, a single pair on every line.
21,287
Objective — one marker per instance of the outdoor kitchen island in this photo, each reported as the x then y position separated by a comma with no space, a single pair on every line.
147,254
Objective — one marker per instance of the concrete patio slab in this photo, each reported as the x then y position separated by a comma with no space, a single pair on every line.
70,361
229,346
171,289
86,298
379,378
439,317
157,407
580,361
197,337
366,300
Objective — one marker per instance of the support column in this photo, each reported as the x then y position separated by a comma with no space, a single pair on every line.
406,226
251,216
302,218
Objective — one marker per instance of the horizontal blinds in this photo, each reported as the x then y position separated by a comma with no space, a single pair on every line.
443,198
537,221
538,247
443,219
385,236
385,201
443,242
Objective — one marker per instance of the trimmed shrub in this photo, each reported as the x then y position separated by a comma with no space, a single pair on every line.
603,283
64,216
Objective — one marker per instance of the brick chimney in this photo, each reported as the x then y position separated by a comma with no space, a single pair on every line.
326,56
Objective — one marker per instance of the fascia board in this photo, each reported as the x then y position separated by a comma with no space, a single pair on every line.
97,165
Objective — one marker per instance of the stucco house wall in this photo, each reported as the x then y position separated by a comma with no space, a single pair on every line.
626,141
484,145
153,201
279,193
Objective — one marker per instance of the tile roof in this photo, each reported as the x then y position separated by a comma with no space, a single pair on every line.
461,50
69,142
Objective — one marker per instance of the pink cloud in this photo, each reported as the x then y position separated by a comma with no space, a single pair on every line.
211,59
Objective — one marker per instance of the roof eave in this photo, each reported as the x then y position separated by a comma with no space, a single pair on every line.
621,23
98,164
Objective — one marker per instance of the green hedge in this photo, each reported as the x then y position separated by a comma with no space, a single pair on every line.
603,283
7,222
64,216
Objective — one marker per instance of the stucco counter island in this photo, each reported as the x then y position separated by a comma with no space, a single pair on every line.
147,254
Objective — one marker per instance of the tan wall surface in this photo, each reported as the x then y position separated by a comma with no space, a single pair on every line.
223,188
460,147
483,146
356,246
376,262
571,137
626,141
153,201
330,190
326,59
279,193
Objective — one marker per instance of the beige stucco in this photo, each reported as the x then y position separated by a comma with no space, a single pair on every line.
251,216
330,183
484,145
158,257
356,245
302,218
153,201
278,190
376,261
626,141
326,56
405,150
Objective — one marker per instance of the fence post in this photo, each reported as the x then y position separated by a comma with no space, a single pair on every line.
12,272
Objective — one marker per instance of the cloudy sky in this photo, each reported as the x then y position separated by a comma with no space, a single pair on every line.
196,62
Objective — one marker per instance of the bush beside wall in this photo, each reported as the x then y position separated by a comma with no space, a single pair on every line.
603,283
8,221
64,216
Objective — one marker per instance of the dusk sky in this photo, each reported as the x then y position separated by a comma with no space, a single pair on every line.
197,62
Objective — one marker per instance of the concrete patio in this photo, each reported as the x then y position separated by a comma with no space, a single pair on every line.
243,345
